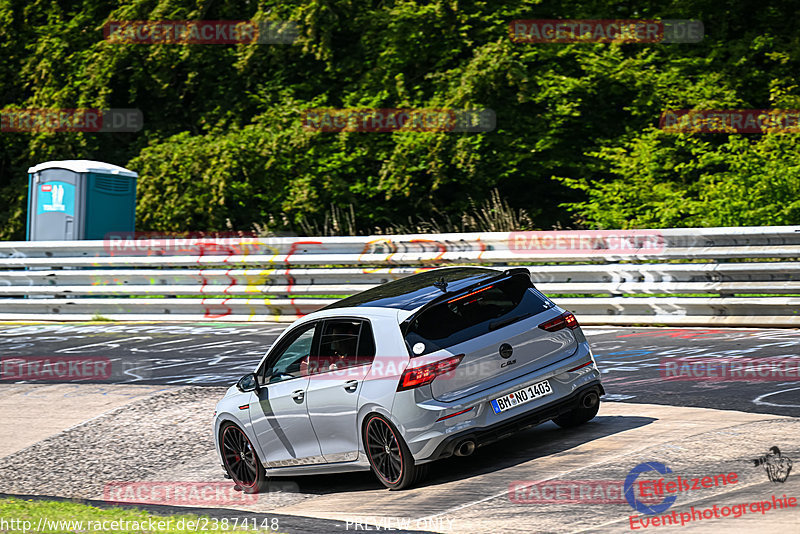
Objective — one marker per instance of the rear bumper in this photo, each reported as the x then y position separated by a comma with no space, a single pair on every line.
426,422
485,435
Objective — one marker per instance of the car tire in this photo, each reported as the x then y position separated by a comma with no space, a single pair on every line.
577,417
389,457
240,460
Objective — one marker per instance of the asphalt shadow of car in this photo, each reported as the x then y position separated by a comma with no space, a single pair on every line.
543,440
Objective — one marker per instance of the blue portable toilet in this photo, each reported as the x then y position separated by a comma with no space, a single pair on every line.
79,199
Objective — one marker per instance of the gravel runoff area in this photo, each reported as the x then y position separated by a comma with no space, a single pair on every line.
166,438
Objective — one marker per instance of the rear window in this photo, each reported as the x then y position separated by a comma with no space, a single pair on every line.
471,315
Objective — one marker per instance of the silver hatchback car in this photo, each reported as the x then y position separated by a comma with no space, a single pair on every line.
411,371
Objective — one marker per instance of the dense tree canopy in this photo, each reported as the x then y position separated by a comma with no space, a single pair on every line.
577,140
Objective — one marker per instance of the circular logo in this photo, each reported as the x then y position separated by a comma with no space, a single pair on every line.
638,505
418,348
506,350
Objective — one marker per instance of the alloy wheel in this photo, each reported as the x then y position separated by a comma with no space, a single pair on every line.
240,458
384,450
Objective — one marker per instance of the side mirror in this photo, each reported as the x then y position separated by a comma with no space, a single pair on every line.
248,382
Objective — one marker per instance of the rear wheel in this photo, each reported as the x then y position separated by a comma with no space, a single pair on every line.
580,415
241,460
389,455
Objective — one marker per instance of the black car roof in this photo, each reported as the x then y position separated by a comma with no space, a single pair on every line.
413,291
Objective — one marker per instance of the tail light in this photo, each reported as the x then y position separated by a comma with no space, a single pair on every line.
581,366
424,374
565,320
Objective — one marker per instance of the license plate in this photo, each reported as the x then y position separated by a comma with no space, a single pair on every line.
536,391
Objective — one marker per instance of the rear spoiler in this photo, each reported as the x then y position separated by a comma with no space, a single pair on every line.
500,277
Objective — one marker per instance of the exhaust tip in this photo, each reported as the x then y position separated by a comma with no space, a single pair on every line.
465,448
590,400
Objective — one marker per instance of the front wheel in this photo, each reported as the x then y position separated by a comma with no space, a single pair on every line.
241,460
389,456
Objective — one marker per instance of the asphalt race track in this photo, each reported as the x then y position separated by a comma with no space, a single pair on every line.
147,421
218,355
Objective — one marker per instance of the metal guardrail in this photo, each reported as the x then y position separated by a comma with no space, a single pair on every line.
695,276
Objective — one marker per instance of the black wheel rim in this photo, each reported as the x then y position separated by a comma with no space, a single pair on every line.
240,458
384,450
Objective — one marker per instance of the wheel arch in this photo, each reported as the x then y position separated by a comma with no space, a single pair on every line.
226,418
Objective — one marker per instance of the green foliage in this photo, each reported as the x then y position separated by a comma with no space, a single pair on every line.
576,144
664,180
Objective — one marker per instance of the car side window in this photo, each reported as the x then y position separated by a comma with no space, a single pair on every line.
344,343
291,360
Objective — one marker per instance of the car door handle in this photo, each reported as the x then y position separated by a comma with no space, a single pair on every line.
298,395
351,385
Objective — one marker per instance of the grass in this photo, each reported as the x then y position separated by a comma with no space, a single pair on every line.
85,518
493,214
